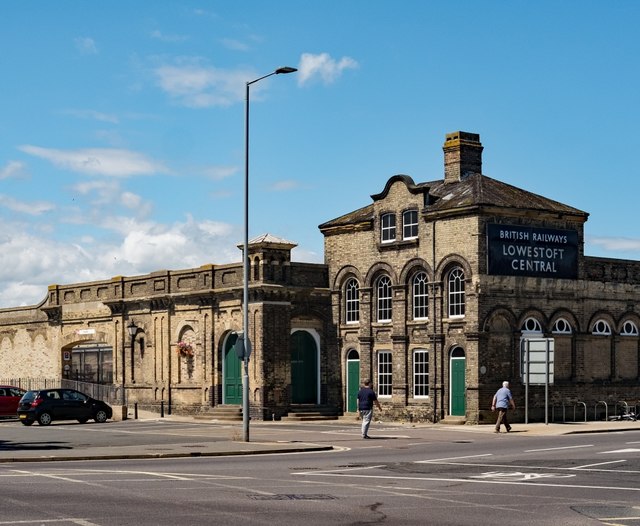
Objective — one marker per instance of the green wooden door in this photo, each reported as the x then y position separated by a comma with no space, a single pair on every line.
353,381
304,369
232,373
458,384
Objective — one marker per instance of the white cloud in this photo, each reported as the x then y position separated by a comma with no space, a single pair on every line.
29,263
130,200
93,115
12,169
98,161
220,172
86,45
198,86
159,35
281,186
34,208
234,45
613,244
322,66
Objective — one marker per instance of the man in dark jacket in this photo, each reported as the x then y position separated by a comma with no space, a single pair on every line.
366,399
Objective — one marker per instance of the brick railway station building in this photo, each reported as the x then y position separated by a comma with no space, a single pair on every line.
433,290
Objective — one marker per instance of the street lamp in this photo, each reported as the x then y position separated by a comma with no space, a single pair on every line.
245,258
132,328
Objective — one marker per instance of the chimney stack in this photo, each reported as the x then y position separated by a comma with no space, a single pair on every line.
462,156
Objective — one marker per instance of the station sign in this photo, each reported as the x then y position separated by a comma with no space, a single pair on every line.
514,250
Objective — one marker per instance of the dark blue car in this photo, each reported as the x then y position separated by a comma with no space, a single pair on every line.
46,405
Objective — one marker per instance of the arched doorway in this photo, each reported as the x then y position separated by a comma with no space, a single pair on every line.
304,368
231,372
353,380
457,382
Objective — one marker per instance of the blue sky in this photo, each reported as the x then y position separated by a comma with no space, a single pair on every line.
122,122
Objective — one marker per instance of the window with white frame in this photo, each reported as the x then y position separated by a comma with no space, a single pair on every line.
561,326
384,299
601,328
420,296
629,328
385,373
388,228
531,325
420,373
410,224
352,301
456,293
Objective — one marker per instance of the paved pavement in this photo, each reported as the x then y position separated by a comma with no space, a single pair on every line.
225,438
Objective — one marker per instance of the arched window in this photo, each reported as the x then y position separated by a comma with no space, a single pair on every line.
561,326
352,301
420,296
629,328
384,299
531,325
456,292
601,328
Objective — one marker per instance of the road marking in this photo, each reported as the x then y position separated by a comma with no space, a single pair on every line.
469,481
452,458
598,464
556,448
55,477
74,520
518,475
629,450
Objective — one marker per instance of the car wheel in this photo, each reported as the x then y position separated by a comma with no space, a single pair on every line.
26,422
44,419
101,416
83,420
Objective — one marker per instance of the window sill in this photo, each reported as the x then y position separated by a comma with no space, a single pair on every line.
397,245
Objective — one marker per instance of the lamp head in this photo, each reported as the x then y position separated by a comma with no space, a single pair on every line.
132,328
285,69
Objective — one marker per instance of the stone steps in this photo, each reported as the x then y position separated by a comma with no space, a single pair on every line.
453,420
228,413
309,413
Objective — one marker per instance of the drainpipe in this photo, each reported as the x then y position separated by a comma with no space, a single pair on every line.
434,317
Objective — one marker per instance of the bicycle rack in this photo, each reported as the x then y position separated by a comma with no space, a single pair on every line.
574,410
606,410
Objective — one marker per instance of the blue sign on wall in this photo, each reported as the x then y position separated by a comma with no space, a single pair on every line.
532,251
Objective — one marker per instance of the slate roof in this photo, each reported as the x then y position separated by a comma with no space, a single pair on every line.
475,190
269,238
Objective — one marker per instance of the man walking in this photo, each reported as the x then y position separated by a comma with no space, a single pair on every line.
502,401
366,399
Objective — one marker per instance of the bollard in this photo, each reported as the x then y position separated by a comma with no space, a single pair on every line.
161,408
135,411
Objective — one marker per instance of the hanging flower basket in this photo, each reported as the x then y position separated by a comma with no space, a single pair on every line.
184,348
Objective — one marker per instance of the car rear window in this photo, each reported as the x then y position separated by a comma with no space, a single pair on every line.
29,396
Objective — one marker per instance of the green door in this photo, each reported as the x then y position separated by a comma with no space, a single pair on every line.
458,383
353,380
232,373
304,369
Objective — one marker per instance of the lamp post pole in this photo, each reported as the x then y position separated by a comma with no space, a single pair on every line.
245,259
132,329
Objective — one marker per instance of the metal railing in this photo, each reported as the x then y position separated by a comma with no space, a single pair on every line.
109,393
31,383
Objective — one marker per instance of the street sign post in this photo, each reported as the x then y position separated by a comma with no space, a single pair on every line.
537,369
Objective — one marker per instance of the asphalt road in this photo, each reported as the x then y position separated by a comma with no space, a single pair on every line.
404,476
